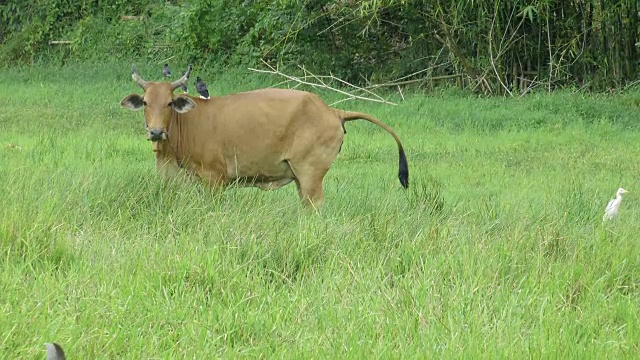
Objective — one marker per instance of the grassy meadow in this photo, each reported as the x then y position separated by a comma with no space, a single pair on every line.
496,250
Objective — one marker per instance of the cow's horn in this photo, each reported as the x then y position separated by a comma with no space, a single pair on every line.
182,81
142,83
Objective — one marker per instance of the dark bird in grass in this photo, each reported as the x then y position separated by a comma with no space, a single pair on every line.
184,87
54,352
166,71
201,87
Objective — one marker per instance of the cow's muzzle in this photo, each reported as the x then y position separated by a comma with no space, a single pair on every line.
156,135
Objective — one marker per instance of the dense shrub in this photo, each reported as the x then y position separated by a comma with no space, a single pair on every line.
494,47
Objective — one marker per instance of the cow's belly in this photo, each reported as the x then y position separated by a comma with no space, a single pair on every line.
264,174
262,183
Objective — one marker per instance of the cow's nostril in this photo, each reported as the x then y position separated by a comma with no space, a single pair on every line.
156,134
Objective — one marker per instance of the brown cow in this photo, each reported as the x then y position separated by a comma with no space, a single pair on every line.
265,138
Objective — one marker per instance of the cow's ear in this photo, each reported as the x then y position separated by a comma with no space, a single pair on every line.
132,102
182,104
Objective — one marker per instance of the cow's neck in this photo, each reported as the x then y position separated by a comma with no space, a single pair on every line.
169,151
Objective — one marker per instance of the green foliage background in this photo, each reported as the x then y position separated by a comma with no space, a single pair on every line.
491,46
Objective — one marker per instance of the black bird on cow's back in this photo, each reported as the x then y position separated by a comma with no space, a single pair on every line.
166,71
201,87
184,87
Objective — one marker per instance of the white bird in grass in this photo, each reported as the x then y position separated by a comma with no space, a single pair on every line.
613,207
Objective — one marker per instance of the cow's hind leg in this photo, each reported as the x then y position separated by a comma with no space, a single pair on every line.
310,191
310,162
309,182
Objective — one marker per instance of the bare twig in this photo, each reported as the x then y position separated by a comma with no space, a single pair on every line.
60,42
339,101
321,83
532,84
167,59
336,24
400,91
424,79
550,54
629,86
404,80
131,17
331,77
492,58
429,69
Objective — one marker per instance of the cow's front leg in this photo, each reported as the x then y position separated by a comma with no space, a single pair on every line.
167,168
216,179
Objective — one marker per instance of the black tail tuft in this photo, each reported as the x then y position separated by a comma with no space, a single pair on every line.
403,170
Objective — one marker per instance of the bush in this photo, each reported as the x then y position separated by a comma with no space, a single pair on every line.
489,47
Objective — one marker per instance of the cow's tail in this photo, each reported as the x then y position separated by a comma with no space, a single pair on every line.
403,167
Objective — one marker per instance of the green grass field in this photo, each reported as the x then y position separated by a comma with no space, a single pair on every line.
496,250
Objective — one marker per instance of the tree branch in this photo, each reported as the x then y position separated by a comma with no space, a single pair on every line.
322,84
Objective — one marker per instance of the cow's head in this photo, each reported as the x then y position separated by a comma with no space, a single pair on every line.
158,102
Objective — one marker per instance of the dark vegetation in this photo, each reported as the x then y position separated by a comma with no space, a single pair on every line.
489,46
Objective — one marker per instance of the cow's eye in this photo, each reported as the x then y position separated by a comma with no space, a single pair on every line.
170,104
144,103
